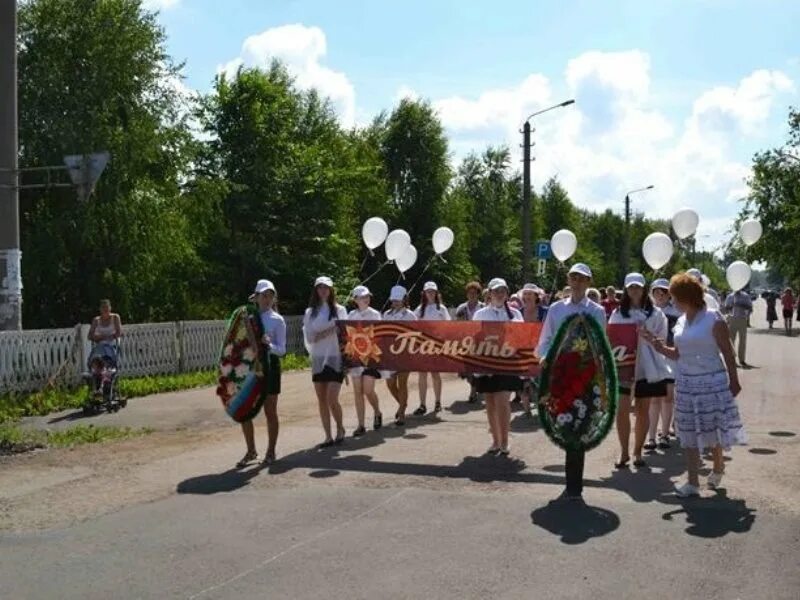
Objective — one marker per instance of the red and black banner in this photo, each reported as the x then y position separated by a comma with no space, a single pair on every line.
490,347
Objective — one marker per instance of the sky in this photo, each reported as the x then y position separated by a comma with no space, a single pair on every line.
679,95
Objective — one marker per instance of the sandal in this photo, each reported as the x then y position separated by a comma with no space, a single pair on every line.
247,459
377,422
421,410
437,408
622,464
639,462
325,444
663,443
339,438
360,430
650,445
268,460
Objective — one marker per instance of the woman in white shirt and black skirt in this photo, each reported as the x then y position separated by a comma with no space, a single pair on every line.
652,371
398,382
430,309
364,377
319,331
497,389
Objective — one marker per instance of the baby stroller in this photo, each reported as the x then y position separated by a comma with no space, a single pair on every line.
101,380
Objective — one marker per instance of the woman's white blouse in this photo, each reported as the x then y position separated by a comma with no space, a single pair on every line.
402,314
432,313
324,352
494,313
275,328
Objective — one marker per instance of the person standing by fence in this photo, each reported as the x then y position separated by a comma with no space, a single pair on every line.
273,329
327,374
739,306
107,326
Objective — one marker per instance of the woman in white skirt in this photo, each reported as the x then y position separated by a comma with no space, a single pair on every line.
430,309
496,389
364,377
706,383
398,382
327,374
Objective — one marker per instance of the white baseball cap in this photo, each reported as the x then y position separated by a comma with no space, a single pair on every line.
581,269
360,291
634,279
397,293
430,285
498,282
264,285
660,284
326,281
696,273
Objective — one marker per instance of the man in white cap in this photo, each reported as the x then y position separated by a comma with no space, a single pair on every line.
579,279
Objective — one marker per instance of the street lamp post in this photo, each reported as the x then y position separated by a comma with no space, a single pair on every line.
626,249
526,188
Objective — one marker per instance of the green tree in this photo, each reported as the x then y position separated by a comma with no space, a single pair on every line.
96,76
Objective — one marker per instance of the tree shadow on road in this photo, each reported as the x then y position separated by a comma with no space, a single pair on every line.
714,517
216,483
575,521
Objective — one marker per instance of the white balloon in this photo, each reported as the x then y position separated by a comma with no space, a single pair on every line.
657,250
738,275
685,222
407,260
442,240
396,243
563,244
374,232
750,232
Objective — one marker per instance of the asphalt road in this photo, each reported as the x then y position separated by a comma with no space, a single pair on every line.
410,513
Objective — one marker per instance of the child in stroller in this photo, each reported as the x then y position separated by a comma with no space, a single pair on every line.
102,380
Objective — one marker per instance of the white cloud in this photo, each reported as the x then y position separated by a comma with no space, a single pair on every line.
159,4
615,138
302,48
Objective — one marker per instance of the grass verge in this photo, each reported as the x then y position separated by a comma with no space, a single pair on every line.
15,439
14,406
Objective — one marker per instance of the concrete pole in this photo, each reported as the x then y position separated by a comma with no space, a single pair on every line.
526,201
10,255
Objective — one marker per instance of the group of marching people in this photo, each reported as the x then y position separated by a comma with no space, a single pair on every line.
685,375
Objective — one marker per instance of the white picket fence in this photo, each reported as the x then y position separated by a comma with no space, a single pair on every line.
29,360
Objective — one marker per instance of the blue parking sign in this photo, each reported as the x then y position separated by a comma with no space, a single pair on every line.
543,250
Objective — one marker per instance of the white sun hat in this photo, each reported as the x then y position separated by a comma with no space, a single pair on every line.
430,285
581,269
397,293
323,280
634,279
360,291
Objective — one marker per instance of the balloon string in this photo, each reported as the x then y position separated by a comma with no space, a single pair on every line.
375,273
366,258
424,270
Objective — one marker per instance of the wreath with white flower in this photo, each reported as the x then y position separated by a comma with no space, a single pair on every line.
578,386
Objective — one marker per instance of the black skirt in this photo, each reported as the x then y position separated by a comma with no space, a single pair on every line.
371,373
645,389
328,375
497,383
273,387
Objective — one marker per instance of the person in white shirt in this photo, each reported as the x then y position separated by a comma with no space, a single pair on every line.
465,312
274,340
652,371
430,309
496,389
322,343
579,278
663,409
710,296
363,378
398,382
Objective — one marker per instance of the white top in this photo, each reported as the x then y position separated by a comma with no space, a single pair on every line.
401,314
466,313
368,314
711,302
650,365
559,312
275,328
697,348
432,313
496,313
321,340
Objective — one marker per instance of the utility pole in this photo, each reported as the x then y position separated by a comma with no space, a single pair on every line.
526,189
626,243
10,255
526,201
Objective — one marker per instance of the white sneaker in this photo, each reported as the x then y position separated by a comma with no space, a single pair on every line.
493,450
505,450
687,490
714,480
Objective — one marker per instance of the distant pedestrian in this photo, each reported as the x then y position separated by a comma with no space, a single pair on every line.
787,301
771,299
738,307
610,302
